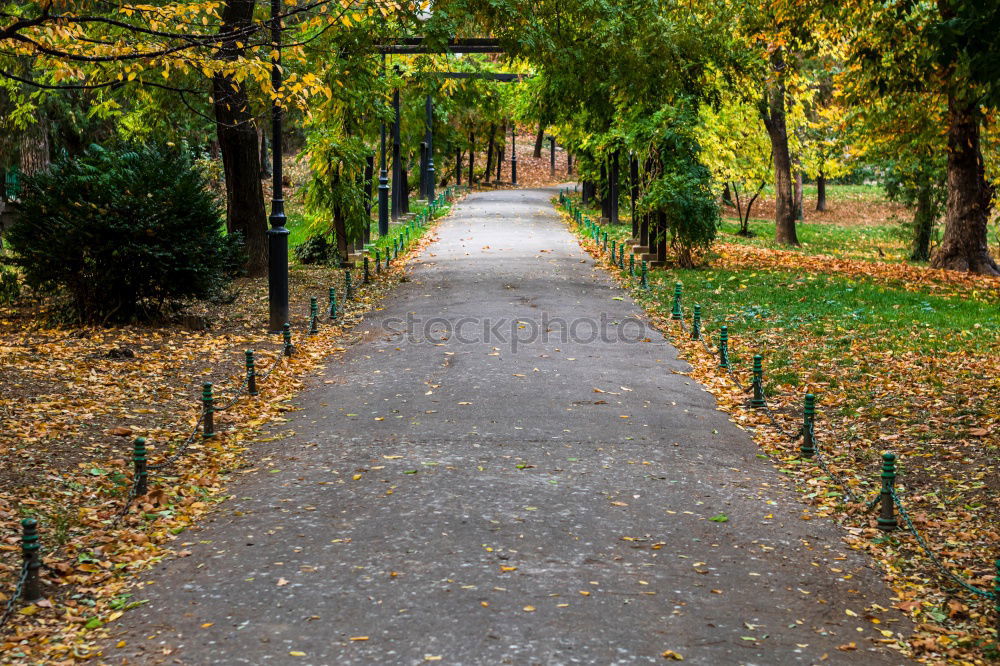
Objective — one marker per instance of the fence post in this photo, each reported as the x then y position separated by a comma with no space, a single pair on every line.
333,304
367,276
808,447
313,315
286,334
621,256
614,250
631,265
30,551
208,409
696,324
887,516
996,596
348,287
251,373
378,262
644,276
758,382
677,315
724,348
140,476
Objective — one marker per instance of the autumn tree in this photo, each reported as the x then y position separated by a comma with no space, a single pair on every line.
949,49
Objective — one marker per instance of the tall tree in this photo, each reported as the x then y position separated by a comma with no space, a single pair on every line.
949,49
237,133
772,112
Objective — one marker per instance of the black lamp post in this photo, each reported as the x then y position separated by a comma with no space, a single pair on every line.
277,235
429,191
397,168
552,156
513,154
383,192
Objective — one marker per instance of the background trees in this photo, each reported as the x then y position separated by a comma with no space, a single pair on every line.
773,92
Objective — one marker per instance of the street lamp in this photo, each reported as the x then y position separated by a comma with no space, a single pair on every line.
513,153
430,150
277,235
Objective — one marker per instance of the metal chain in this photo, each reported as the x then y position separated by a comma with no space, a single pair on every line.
132,494
181,449
833,475
271,369
933,556
18,589
235,398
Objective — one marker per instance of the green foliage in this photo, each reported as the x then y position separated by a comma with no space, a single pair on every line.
123,234
336,163
680,185
315,249
10,287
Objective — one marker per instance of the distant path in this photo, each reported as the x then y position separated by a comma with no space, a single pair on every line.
547,504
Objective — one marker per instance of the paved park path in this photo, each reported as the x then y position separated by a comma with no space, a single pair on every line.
474,491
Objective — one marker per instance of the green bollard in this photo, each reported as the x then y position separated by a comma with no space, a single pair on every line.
996,595
31,552
676,314
621,256
286,333
313,315
808,447
696,324
631,265
887,514
614,250
724,348
367,275
378,262
208,410
348,287
757,382
333,304
644,276
251,373
141,476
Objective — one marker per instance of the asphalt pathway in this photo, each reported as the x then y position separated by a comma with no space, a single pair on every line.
510,468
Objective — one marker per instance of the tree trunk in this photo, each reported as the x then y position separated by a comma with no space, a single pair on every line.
964,246
821,192
238,145
727,197
489,151
34,145
369,184
773,114
339,224
923,224
472,159
265,164
798,195
539,139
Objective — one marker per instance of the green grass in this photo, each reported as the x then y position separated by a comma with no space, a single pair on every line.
853,241
871,193
299,224
833,306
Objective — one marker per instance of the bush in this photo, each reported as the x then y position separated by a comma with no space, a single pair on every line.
122,234
10,289
316,250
